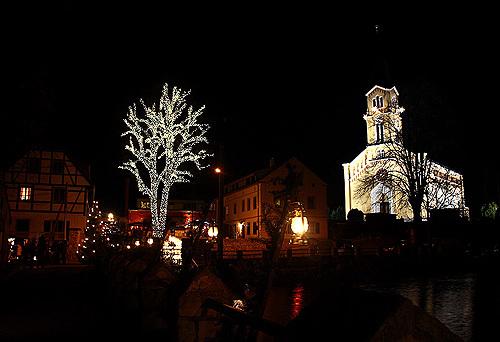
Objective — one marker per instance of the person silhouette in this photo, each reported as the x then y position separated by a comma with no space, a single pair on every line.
42,250
29,253
64,248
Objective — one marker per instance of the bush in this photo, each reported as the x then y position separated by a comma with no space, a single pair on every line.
355,215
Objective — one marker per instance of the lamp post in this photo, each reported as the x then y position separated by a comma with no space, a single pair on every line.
213,232
220,213
241,226
299,224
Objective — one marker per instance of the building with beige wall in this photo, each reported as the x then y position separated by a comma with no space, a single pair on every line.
47,194
244,199
383,119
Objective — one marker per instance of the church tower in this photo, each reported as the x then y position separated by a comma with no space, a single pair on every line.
382,109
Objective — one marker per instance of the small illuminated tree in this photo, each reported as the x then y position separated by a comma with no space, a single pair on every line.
162,141
87,247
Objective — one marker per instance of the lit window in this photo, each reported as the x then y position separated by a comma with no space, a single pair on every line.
25,193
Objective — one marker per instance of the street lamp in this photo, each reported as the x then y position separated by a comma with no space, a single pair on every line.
213,232
241,226
299,224
220,214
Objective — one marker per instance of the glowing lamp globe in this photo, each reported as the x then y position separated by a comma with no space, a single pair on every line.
213,232
300,225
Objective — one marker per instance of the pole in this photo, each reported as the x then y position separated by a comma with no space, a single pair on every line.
220,218
220,207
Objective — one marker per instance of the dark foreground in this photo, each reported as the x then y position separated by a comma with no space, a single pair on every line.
59,303
73,303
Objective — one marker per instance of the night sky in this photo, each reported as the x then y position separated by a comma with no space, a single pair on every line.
278,82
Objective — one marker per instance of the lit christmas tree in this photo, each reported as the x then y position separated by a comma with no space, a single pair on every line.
87,248
161,143
111,234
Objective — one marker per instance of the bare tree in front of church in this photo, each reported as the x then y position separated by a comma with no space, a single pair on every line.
405,178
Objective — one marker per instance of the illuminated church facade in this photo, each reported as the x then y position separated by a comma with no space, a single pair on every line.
364,192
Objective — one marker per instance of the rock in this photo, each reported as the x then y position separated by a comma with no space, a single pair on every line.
194,322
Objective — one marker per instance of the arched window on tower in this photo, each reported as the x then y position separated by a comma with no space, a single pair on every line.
380,101
374,102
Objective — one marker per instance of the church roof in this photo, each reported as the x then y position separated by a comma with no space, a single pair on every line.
379,87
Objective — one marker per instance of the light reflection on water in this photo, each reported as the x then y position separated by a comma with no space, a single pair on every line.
296,300
449,299
467,304
286,302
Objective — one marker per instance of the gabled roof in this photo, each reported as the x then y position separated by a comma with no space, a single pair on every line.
297,161
379,87
76,163
263,173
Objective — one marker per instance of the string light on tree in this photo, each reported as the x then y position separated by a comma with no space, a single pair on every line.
161,142
88,244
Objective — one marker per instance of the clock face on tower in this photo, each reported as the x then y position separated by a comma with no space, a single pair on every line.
394,101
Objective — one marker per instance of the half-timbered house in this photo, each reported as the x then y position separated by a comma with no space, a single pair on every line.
47,195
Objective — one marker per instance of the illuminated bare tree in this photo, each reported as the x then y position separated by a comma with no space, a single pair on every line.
162,141
405,178
445,190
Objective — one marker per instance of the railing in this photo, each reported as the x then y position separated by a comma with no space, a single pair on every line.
245,254
304,252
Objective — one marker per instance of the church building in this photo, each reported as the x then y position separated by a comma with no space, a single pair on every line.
386,177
